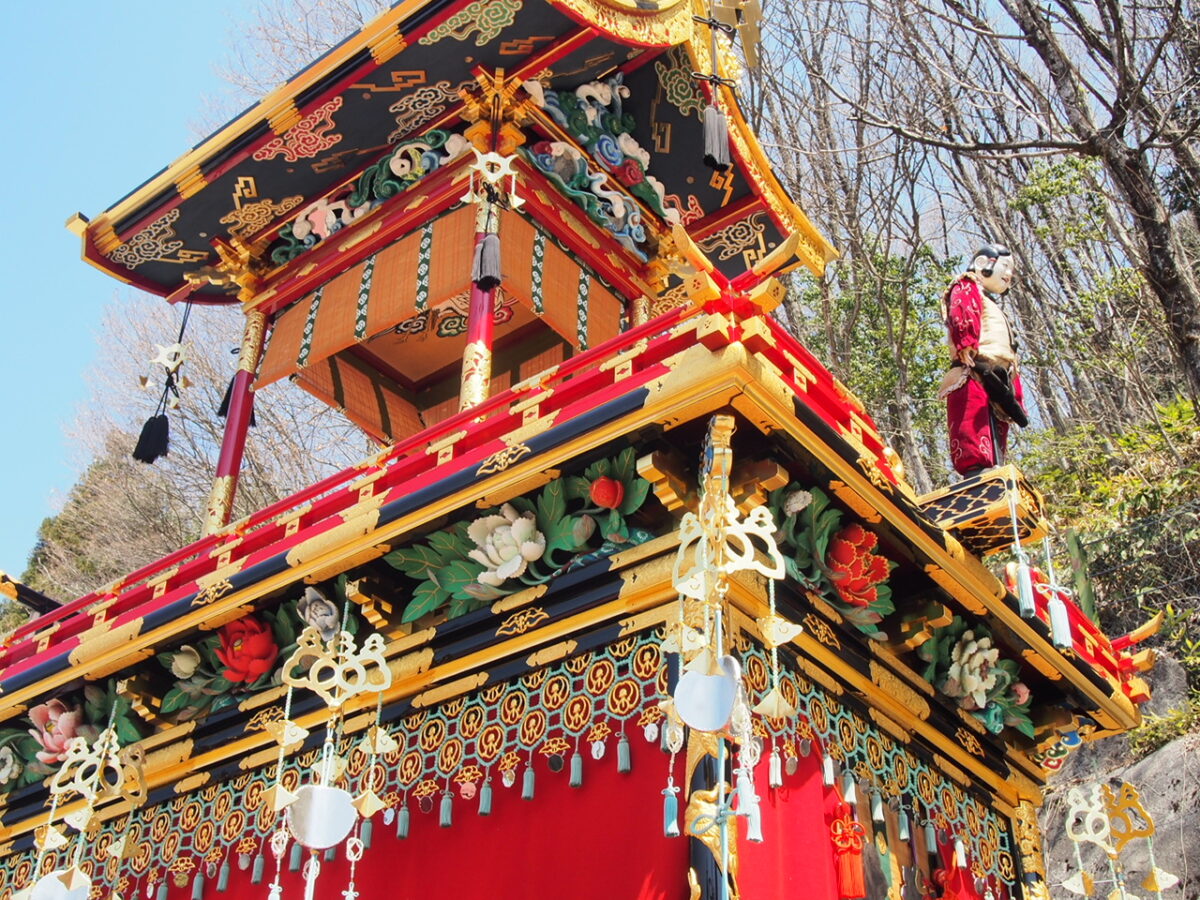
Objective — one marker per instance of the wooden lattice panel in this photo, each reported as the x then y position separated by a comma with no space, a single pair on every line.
977,510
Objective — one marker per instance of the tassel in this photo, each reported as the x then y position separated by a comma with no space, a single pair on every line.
1060,623
877,808
256,874
296,857
745,788
960,853
154,440
754,822
1025,603
223,409
902,830
827,775
223,876
446,814
716,139
198,887
671,810
485,271
331,854
485,798
774,770
931,841
162,891
576,770
624,764
527,783
402,822
849,789
366,833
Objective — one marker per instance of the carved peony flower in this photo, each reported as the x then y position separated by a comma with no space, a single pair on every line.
185,662
972,673
10,766
505,544
55,726
320,612
247,649
857,569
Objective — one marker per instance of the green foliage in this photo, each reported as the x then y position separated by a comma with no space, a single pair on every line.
808,522
1158,731
1065,187
451,567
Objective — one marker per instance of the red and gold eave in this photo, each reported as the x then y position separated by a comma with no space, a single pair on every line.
400,76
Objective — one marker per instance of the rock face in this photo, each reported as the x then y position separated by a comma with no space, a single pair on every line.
1168,782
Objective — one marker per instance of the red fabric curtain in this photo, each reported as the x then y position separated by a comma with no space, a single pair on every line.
603,841
795,858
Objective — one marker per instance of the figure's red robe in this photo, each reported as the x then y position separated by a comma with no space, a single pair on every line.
978,437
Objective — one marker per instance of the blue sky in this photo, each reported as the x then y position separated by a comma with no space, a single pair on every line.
100,97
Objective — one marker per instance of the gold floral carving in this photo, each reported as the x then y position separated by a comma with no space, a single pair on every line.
1128,818
476,375
1029,839
521,622
819,628
968,742
892,685
252,341
502,459
212,592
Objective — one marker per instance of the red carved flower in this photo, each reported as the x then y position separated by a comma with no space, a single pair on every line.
857,570
247,649
630,172
607,492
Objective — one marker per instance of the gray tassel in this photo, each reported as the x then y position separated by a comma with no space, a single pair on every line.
716,139
402,822
670,811
1060,623
485,798
198,887
295,858
331,854
446,813
624,764
902,826
485,271
162,891
223,876
256,874
366,833
527,783
576,770
1025,601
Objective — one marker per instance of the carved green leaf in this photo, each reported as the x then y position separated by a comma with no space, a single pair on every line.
428,597
173,701
415,561
457,575
551,507
635,496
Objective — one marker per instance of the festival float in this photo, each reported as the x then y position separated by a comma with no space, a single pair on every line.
632,601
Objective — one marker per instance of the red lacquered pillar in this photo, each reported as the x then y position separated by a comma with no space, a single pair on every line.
237,421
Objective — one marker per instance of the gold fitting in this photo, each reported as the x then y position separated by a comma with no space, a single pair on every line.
104,236
191,182
288,116
77,224
386,45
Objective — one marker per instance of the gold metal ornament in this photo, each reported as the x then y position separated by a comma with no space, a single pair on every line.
338,671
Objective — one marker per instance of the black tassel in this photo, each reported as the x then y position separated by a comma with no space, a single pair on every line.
485,271
223,409
154,440
716,139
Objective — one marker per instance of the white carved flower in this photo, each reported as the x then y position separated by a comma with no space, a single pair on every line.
186,659
796,501
505,544
10,766
972,672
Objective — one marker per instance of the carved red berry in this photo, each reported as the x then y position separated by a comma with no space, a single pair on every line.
607,492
